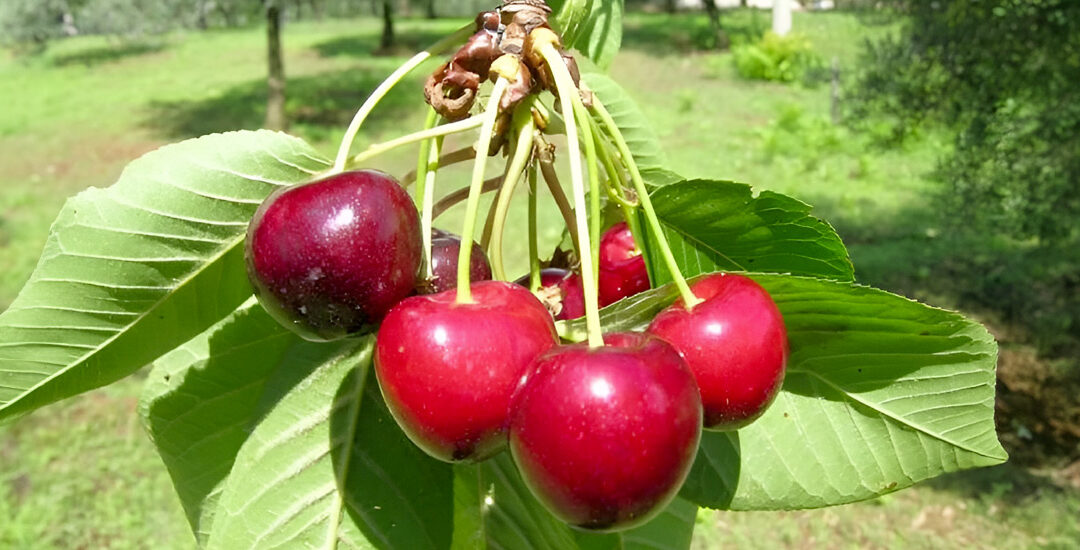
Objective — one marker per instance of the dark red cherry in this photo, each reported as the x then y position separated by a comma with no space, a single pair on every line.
444,260
734,342
448,370
330,258
622,267
605,437
562,289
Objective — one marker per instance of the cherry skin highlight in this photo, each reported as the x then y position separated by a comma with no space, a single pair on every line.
735,343
561,287
605,437
330,258
622,267
444,259
448,370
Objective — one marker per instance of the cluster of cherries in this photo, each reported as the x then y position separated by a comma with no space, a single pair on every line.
603,436
604,433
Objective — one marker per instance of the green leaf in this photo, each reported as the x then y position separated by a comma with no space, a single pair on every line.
202,398
599,36
881,392
656,178
273,440
721,225
642,140
514,519
134,270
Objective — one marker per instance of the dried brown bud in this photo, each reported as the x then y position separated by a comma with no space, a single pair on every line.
518,90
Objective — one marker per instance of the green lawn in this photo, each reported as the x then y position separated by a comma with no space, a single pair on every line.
82,474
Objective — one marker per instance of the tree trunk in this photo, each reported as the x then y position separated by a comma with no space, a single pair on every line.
781,17
275,99
670,6
227,14
431,10
201,21
387,40
722,41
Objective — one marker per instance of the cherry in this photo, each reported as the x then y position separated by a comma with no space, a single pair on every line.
330,258
448,370
444,260
605,437
561,288
622,267
734,342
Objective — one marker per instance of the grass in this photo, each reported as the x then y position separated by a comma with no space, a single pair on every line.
81,474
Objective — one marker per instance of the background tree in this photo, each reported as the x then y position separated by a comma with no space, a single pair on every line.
275,99
1001,76
713,11
387,39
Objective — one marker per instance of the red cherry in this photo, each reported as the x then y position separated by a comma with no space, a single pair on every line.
448,370
564,287
734,342
622,267
605,437
331,257
444,260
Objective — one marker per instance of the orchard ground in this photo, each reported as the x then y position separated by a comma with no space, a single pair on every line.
82,474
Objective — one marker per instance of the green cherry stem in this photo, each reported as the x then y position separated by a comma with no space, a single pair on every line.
429,201
646,204
438,131
614,182
567,91
534,244
384,88
423,168
583,118
487,128
523,128
423,160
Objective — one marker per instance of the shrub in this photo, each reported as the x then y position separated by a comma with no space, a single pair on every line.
777,58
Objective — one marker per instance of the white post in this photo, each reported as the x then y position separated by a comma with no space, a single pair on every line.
781,17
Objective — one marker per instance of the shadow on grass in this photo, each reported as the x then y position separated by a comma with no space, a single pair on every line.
106,54
664,34
315,106
364,45
1029,293
1010,483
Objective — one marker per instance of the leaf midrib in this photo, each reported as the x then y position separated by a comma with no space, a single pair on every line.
894,417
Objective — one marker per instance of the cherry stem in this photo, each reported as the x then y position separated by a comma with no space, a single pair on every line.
427,169
585,126
688,296
447,159
564,83
455,198
489,220
487,128
422,160
523,127
534,245
546,161
438,131
614,182
384,88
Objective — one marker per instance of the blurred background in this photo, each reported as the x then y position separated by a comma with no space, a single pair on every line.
942,139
